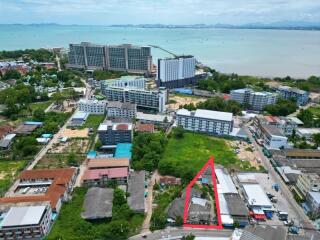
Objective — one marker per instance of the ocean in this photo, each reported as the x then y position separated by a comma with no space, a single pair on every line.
256,52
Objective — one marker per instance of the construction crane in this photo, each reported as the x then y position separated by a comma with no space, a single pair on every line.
154,46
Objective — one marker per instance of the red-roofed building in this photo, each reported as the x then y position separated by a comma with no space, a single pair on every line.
4,130
42,185
100,177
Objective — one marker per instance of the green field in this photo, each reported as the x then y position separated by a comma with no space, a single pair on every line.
8,171
70,225
40,105
93,121
185,157
315,110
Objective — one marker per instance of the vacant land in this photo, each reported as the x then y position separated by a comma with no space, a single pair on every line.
93,121
70,225
185,156
76,145
75,133
180,100
40,105
60,160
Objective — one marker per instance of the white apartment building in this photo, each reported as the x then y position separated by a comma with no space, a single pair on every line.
125,81
308,182
273,138
205,121
121,110
27,222
92,106
255,100
176,72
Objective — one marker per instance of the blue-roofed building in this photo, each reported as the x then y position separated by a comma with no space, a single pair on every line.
33,123
123,150
46,135
92,154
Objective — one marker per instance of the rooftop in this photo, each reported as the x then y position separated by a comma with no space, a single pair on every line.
22,216
224,182
123,150
308,130
98,203
315,196
256,195
80,115
110,172
303,153
136,190
147,127
108,163
201,113
272,130
5,129
60,178
153,117
125,105
235,204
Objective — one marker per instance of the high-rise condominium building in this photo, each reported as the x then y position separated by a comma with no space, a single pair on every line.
176,72
126,57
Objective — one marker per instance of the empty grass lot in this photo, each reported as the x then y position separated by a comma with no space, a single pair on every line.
185,157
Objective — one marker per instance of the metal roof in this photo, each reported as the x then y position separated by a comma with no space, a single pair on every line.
21,216
225,183
136,190
202,113
256,195
98,203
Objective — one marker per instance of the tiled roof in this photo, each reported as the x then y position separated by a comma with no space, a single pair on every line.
108,163
5,129
110,172
145,128
61,177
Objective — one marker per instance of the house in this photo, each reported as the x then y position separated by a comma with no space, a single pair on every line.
98,203
4,130
169,180
43,185
7,141
307,132
26,222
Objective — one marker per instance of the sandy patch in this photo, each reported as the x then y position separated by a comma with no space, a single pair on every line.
76,133
184,100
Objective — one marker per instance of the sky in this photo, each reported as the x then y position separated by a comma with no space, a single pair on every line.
106,12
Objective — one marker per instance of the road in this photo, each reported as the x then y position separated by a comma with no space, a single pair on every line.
179,232
44,150
149,201
303,218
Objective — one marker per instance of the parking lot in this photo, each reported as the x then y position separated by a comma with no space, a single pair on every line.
282,204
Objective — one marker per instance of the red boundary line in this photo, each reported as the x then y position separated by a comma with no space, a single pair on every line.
188,189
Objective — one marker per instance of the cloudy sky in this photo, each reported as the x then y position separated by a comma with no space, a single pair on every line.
104,12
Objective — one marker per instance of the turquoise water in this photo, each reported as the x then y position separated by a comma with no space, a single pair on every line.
244,51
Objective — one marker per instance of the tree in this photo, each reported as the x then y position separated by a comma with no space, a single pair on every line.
38,115
316,139
98,145
189,237
306,116
11,74
179,221
119,197
72,159
283,107
178,132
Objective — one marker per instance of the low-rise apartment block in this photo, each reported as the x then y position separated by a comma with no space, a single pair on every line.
300,96
313,202
159,120
138,82
287,125
92,106
209,122
253,100
121,110
144,99
272,137
308,182
113,133
26,222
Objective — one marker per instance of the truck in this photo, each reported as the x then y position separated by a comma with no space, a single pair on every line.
283,216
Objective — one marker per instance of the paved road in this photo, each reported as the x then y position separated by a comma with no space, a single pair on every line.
180,232
304,220
146,223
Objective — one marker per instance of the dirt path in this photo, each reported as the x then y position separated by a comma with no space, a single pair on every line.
149,200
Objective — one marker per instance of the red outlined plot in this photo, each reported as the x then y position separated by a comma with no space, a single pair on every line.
210,164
